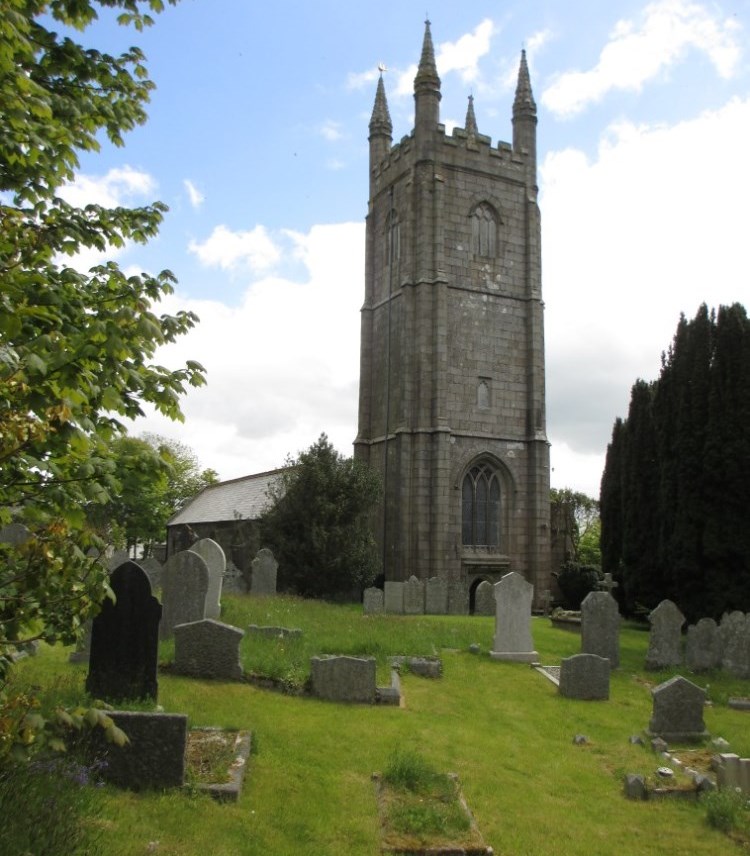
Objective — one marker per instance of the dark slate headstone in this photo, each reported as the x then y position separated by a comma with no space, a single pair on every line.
678,711
125,639
665,638
703,649
343,678
184,586
584,676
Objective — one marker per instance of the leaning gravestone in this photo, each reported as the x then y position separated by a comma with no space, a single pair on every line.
372,601
436,596
394,597
413,597
264,571
125,639
665,638
600,627
216,562
513,597
678,711
735,632
208,649
341,678
584,676
484,599
184,588
703,646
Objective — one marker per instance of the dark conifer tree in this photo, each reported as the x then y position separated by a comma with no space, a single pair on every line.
611,504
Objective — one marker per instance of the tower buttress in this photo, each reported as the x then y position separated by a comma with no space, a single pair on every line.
524,117
381,127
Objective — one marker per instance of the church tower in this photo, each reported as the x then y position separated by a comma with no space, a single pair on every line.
451,399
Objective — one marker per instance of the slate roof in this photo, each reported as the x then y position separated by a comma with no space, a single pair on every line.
244,498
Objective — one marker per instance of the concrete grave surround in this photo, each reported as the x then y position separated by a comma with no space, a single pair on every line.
372,601
484,599
703,649
125,639
678,711
394,597
264,572
154,758
513,598
735,633
436,596
600,626
208,649
584,676
413,597
665,638
343,679
183,592
733,773
216,562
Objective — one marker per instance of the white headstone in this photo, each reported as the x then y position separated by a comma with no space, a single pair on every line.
216,562
513,598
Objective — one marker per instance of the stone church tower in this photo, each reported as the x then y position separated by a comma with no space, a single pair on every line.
451,399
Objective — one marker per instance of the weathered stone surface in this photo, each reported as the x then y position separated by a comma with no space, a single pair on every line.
264,572
436,596
600,627
372,601
458,598
208,649
125,639
344,679
703,648
584,676
635,787
513,598
152,567
270,632
678,711
413,597
733,772
394,597
665,638
216,562
425,667
184,585
155,756
735,633
484,599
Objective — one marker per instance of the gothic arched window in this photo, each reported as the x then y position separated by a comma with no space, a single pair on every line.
480,507
484,230
392,238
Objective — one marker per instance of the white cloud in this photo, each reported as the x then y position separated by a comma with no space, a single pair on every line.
631,239
283,366
331,130
230,250
463,55
194,195
118,186
362,79
638,52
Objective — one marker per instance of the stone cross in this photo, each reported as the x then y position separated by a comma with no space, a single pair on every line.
607,584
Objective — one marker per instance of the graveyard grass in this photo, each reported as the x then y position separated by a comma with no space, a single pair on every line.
501,727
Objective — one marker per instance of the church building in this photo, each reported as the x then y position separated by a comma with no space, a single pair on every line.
452,398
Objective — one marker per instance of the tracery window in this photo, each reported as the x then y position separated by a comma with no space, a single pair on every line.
480,507
484,230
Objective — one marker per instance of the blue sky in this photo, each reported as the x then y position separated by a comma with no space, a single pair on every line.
257,141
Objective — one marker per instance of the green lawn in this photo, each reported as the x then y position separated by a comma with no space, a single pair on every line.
500,726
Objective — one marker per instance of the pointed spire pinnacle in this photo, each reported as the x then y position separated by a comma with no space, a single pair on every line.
524,103
380,122
427,76
470,126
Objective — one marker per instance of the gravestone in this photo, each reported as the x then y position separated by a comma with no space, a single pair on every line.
372,601
584,676
484,599
125,639
394,597
184,585
600,627
678,711
703,649
340,678
274,632
263,574
233,582
216,562
458,598
152,567
665,638
208,649
14,534
735,632
414,597
119,557
513,597
436,596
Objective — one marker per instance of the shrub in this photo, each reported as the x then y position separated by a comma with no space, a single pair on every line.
575,582
723,808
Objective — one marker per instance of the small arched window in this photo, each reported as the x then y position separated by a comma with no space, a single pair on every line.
484,231
480,507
